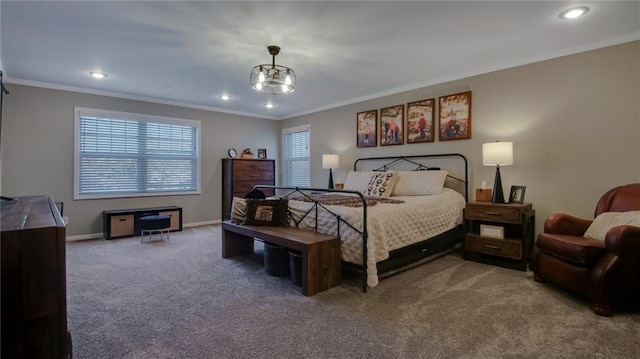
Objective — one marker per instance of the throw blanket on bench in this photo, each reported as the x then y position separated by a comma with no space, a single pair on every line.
342,200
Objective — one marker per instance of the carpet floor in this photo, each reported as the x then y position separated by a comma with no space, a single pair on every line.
180,299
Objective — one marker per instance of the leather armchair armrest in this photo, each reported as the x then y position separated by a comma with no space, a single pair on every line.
624,241
561,223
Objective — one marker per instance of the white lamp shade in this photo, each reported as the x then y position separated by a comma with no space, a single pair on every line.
330,160
497,153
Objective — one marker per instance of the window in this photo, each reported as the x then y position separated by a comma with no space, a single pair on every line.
295,149
121,154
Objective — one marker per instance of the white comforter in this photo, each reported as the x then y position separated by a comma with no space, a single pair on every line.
390,225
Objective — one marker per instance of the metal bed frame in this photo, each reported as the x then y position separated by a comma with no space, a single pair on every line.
398,258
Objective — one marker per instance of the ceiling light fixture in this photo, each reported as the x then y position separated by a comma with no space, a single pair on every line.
272,78
225,97
268,105
573,13
97,75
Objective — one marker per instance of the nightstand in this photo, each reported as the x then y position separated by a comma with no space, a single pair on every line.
486,222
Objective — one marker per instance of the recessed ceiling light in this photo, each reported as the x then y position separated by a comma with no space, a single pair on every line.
97,75
268,105
574,12
225,97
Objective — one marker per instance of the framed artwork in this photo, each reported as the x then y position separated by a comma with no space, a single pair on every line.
455,117
262,153
516,195
420,117
366,126
392,125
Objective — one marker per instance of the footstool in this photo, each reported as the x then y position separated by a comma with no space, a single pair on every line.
157,223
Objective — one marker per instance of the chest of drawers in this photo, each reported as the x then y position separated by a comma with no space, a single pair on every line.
240,175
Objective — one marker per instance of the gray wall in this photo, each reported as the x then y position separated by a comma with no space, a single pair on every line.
574,121
37,141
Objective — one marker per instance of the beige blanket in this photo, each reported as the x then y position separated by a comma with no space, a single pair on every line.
342,200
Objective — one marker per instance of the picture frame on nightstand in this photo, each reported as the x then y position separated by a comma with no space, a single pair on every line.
516,195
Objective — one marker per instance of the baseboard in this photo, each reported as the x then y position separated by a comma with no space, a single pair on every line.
84,237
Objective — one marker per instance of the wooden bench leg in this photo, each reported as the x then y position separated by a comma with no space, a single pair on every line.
235,244
320,267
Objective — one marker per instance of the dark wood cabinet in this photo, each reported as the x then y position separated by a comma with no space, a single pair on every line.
34,294
240,175
499,234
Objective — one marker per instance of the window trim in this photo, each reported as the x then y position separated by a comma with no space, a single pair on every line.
85,111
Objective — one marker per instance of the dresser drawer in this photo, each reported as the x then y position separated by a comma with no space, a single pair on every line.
498,247
254,177
246,166
496,213
240,188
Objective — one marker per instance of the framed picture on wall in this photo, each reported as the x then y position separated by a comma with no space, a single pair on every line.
366,127
420,118
455,117
392,125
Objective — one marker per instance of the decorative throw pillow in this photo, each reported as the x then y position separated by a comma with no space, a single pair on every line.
381,184
238,209
418,183
607,220
266,212
358,180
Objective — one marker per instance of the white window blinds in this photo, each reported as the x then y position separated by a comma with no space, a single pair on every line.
295,143
124,155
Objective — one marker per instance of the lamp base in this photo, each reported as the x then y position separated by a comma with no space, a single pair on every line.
498,195
330,178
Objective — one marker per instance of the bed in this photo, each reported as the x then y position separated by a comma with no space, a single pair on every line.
417,218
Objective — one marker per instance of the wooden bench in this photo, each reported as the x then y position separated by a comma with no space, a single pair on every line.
320,252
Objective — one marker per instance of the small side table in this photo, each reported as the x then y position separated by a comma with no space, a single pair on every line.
486,222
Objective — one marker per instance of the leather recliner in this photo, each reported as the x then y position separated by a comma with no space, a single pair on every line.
605,272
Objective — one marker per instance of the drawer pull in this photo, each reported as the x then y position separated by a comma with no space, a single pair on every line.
122,219
492,213
491,247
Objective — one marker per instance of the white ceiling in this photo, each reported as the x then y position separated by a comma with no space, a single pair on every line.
189,53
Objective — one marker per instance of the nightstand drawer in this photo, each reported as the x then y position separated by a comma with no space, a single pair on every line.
498,247
496,213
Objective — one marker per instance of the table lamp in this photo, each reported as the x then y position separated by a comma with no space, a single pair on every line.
330,161
497,154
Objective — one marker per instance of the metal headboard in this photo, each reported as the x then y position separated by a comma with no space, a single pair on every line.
394,160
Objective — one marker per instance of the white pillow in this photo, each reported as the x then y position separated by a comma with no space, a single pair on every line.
418,183
381,184
358,180
607,220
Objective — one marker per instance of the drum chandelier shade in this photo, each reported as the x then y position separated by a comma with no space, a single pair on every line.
272,78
